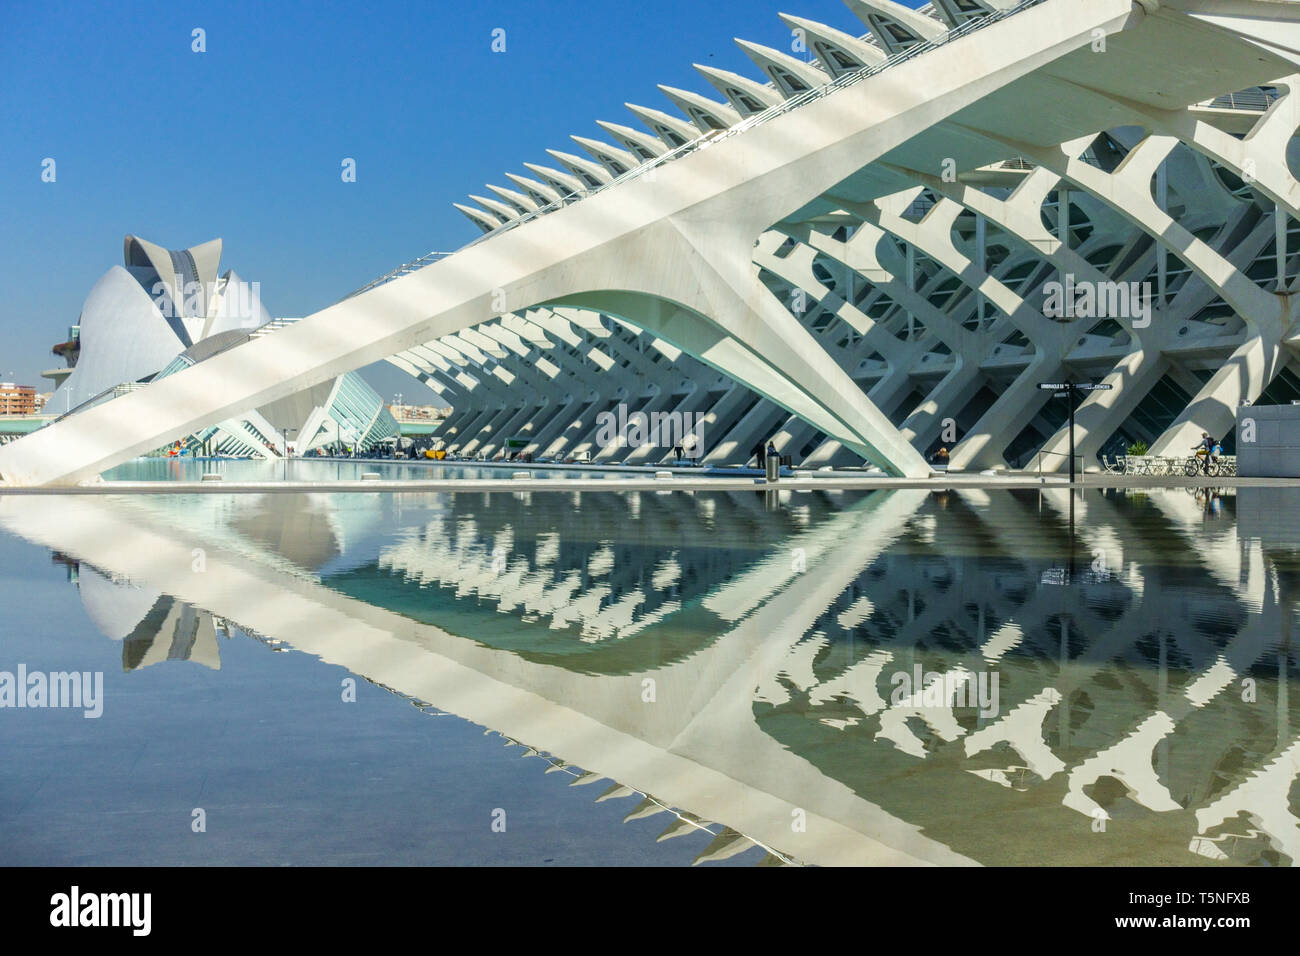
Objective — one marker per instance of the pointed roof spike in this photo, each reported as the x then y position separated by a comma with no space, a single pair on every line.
701,109
878,15
522,203
556,178
617,161
670,129
791,76
500,208
954,14
591,174
819,34
480,218
540,193
740,89
635,140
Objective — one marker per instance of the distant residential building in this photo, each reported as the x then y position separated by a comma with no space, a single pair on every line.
41,399
17,399
418,413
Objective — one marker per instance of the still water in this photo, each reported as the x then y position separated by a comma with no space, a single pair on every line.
896,677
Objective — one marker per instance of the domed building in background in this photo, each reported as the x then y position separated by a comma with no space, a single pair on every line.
164,310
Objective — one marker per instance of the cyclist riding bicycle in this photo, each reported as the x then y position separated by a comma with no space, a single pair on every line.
1205,450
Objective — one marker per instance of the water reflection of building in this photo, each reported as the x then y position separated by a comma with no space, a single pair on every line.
1126,729
1121,694
152,626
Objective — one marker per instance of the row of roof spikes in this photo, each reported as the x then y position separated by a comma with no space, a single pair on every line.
892,28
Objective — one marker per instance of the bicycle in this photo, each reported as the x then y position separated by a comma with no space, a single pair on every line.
1197,465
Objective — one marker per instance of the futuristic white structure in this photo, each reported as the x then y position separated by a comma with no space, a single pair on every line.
859,248
163,312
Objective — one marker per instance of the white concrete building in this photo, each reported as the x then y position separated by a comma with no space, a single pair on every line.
862,252
163,312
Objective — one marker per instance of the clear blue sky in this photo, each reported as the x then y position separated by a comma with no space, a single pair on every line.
245,140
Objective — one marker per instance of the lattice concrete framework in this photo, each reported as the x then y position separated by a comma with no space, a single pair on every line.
850,256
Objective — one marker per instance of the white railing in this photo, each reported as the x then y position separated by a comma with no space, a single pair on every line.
1256,100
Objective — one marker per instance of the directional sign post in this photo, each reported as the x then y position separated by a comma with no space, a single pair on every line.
1067,390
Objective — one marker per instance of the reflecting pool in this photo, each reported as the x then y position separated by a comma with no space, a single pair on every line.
797,677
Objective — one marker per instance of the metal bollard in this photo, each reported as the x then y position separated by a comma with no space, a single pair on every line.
773,468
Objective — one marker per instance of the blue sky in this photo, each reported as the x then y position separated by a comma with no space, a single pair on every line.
245,140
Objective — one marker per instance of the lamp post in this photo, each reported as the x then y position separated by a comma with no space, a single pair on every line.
286,451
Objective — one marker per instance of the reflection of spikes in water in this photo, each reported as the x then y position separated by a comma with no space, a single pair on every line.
646,808
726,844
684,824
615,792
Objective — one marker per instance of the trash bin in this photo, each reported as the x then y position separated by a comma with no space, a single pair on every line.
773,468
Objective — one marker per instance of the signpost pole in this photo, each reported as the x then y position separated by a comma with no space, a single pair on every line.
1068,390
1069,397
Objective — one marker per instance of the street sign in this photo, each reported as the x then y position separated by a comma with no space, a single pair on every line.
1061,386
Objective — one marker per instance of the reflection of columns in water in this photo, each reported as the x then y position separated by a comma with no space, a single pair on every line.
1162,692
1063,720
932,599
1286,598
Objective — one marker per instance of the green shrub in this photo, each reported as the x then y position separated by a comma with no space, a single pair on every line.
1137,448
